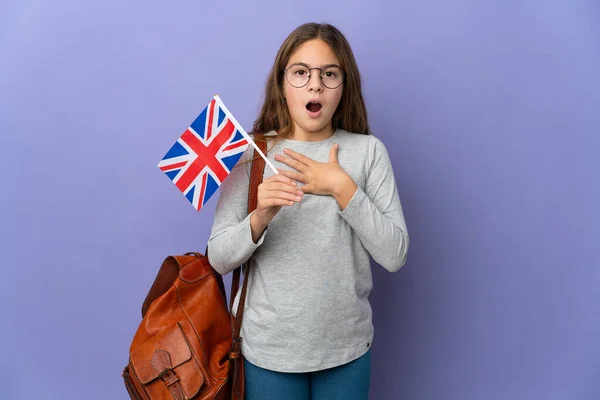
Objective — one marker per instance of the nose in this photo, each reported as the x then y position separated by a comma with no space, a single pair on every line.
314,82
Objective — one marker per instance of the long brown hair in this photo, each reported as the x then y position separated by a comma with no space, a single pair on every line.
351,114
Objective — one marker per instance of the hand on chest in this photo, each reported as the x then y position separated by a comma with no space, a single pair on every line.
319,170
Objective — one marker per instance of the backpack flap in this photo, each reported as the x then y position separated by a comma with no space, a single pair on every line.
164,362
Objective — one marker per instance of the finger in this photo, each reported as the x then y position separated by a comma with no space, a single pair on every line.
280,178
282,187
297,165
299,156
278,203
308,189
277,194
333,153
296,176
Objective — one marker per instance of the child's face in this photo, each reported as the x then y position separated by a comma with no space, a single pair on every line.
315,118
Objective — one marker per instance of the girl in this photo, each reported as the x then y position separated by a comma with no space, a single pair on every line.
307,328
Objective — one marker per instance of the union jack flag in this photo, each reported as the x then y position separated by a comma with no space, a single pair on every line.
204,155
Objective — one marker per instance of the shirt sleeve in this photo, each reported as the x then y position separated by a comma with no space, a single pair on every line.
230,243
376,214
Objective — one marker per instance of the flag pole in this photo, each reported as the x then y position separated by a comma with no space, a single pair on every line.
243,132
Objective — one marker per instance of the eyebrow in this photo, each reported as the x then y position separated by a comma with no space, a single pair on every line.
323,67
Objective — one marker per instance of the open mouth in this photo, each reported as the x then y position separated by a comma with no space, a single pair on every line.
314,106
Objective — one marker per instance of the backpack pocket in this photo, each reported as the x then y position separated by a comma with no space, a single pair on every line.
165,367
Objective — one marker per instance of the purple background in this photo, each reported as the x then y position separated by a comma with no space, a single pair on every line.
489,111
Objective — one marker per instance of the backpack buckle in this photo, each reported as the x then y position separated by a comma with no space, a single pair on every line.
168,376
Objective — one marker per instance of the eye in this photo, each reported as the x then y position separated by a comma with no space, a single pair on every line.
299,71
330,74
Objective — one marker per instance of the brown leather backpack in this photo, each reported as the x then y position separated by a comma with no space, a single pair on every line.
188,344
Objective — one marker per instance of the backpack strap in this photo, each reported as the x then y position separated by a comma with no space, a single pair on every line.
256,177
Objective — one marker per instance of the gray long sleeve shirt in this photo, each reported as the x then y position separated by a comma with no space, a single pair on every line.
307,305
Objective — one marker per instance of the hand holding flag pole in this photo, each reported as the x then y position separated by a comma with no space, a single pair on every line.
243,132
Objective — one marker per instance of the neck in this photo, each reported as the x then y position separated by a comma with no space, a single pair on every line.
315,136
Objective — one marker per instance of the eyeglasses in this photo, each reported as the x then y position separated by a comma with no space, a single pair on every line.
298,75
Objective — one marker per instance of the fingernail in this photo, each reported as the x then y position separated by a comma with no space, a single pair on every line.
299,193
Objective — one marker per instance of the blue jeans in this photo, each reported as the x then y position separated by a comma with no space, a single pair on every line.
348,382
